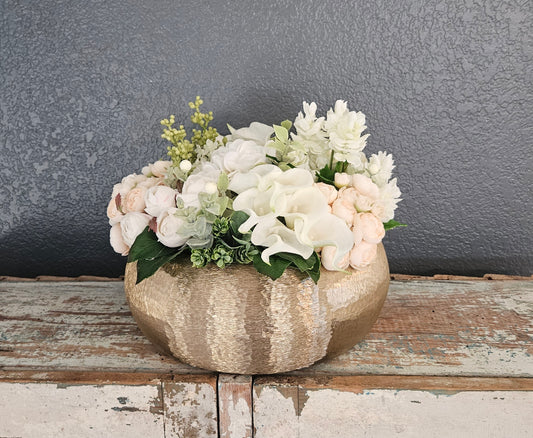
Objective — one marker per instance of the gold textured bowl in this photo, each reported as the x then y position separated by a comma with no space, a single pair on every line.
235,320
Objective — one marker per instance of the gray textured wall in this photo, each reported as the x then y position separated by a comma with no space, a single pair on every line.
446,87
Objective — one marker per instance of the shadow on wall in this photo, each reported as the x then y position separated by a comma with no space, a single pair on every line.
47,249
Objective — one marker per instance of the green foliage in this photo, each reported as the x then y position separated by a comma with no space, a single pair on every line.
220,226
200,257
150,254
327,173
222,255
281,261
393,224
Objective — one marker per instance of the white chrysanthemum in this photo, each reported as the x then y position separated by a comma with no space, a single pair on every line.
379,168
344,129
389,197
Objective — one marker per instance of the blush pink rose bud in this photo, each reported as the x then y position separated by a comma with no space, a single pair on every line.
372,228
364,185
134,200
362,255
116,240
342,180
329,192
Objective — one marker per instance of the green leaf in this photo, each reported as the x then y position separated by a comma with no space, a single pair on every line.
341,166
146,246
150,254
393,224
147,268
274,270
223,182
287,124
237,219
326,175
297,260
314,272
282,133
310,266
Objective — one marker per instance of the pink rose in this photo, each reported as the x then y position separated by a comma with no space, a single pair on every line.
117,242
157,169
134,200
362,255
114,215
327,256
344,209
372,228
364,185
329,192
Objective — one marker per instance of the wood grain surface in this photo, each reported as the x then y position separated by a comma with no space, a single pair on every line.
445,358
481,328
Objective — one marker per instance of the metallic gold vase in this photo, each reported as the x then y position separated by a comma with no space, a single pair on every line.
235,320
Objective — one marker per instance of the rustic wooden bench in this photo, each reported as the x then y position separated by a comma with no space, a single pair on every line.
446,358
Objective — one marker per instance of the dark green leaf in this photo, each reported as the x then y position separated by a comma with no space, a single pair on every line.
297,260
274,270
236,220
146,246
326,175
147,268
150,254
393,224
314,272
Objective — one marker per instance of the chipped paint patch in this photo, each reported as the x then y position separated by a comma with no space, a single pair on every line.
41,409
382,413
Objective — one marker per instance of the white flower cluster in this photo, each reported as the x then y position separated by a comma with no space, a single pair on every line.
272,177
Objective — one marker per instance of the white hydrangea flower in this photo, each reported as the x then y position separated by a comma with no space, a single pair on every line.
344,130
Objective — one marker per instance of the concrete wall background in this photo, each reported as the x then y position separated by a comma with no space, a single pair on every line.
446,87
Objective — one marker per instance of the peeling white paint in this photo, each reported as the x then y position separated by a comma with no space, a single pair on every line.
37,410
384,413
274,415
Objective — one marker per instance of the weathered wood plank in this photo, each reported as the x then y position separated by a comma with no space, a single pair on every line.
36,410
469,328
190,408
75,326
235,406
312,409
428,327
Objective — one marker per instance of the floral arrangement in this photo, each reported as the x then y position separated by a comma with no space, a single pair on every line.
299,194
